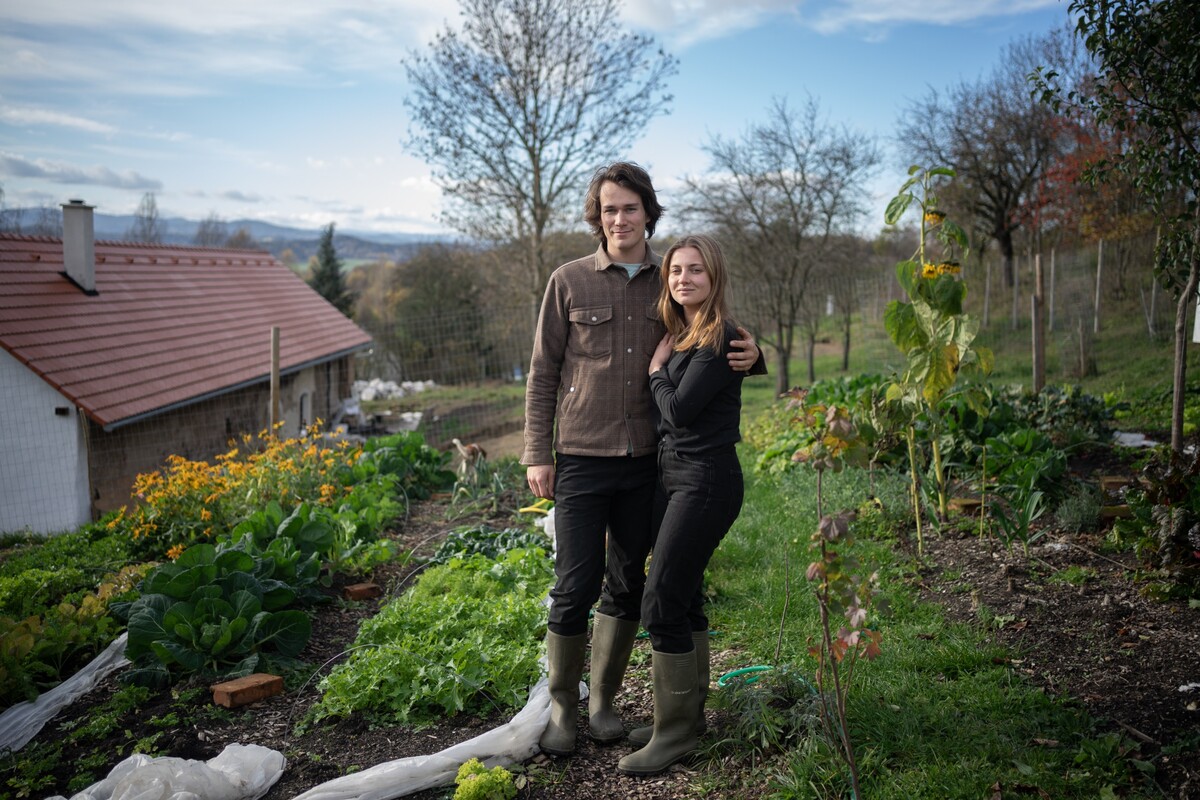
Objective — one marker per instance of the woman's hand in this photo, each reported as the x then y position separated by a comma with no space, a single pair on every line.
662,353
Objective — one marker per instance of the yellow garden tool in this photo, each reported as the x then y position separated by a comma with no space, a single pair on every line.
542,506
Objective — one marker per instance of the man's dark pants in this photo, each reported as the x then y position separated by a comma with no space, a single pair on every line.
594,495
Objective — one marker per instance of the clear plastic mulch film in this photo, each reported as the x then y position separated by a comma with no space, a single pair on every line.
239,772
247,772
21,722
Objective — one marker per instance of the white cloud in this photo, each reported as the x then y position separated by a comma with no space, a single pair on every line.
169,49
685,22
867,14
241,197
23,115
57,172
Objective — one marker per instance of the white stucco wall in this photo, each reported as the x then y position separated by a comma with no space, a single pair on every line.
43,457
305,383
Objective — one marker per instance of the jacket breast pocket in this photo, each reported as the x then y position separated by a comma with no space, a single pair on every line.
591,333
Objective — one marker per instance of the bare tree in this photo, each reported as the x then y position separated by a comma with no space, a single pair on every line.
212,231
47,222
10,218
996,136
777,196
854,275
147,227
515,111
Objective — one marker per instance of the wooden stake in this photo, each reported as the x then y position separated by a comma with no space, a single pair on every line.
275,415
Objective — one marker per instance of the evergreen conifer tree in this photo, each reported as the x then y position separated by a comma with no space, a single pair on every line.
327,278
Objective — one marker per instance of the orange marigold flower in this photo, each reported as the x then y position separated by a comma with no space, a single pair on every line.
175,552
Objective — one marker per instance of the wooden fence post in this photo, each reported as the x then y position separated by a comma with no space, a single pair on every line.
274,377
1051,323
1039,331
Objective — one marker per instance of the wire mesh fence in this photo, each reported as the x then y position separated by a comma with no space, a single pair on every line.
460,373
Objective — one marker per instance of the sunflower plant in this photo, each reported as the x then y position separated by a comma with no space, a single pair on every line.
931,328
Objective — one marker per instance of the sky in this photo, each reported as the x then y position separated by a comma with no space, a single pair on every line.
292,111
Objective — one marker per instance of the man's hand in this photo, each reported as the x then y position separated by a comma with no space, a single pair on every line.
662,353
743,352
541,480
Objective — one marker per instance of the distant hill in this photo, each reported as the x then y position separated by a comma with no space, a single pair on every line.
350,245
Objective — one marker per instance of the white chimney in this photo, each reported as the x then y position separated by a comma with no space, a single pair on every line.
79,244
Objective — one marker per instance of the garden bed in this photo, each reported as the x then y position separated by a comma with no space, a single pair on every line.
1072,616
1079,627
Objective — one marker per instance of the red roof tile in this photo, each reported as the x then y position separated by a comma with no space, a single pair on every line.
168,325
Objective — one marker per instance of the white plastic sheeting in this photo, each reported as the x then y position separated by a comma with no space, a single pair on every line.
508,744
239,772
22,722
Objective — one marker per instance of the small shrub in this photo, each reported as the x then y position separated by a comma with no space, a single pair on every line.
765,716
1079,512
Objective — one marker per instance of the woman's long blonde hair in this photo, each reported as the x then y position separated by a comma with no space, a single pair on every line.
708,328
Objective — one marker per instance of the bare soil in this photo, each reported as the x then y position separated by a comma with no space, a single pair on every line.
1101,643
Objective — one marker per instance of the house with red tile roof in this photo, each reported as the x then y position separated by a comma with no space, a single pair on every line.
114,355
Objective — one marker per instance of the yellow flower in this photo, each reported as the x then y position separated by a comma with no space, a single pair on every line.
949,268
175,552
205,515
934,217
929,271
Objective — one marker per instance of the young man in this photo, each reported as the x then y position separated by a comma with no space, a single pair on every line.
591,444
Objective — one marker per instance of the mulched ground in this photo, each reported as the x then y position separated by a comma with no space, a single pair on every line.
1122,656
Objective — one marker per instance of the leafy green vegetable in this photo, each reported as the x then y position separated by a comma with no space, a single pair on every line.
477,782
466,636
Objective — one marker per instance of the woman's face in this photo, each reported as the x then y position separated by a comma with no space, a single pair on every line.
688,281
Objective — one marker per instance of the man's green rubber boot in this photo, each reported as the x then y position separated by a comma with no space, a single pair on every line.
564,661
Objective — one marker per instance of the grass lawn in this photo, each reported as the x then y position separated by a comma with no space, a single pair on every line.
940,714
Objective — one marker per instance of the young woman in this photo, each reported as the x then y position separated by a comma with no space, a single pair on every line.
700,490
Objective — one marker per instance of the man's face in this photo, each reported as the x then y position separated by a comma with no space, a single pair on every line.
624,222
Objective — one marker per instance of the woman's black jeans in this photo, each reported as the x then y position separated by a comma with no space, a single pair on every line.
699,498
594,495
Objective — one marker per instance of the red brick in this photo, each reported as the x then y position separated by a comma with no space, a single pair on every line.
240,691
362,591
